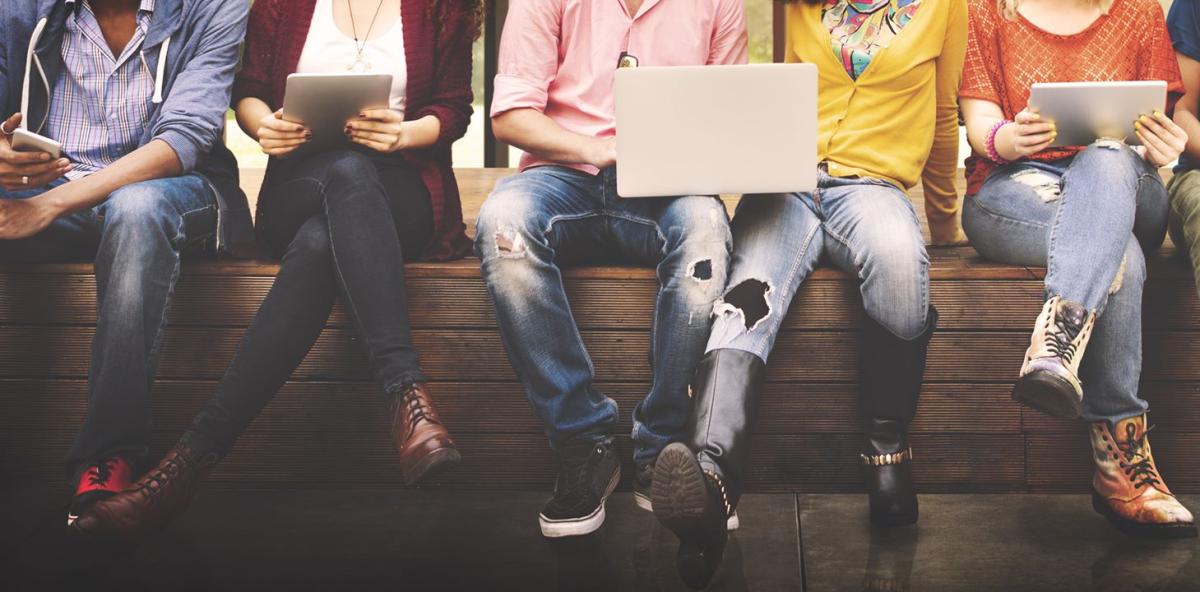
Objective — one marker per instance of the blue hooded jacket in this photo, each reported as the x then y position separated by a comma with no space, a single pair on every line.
192,49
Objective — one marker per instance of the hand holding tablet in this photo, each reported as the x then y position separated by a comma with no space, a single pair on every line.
325,103
1084,112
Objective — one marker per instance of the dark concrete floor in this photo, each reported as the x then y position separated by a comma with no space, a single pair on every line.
268,539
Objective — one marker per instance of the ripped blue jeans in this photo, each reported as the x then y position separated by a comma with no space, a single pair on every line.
865,226
1089,220
540,219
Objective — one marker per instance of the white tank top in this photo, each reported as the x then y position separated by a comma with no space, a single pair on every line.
328,50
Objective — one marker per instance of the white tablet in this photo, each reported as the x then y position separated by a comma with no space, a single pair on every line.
325,102
1088,111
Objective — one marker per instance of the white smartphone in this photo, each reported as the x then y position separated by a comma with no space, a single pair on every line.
24,140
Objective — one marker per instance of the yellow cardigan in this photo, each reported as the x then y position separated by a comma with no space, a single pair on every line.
899,121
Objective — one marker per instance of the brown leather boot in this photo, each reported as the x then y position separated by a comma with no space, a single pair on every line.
152,501
419,436
1128,489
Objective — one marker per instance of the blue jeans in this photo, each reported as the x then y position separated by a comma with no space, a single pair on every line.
545,216
136,238
1088,219
864,226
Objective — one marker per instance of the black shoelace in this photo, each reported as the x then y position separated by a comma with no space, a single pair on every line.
103,473
156,480
1138,466
415,407
1060,339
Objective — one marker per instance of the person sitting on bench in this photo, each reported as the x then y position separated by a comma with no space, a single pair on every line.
901,62
135,91
1087,213
554,100
344,220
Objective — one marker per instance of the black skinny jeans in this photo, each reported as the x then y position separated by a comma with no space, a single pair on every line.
342,221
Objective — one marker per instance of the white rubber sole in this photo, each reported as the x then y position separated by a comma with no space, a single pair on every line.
556,529
644,503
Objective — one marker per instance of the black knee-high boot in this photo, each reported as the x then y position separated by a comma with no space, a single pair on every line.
697,483
893,370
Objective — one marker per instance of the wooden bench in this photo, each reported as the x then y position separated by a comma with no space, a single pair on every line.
328,424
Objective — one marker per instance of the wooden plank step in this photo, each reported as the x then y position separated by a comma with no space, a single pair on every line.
327,425
69,299
477,355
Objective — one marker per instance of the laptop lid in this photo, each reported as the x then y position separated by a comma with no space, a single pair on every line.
702,130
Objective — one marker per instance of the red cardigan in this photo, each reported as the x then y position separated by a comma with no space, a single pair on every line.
439,84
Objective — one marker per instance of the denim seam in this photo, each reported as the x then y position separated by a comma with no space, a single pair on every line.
575,326
567,218
152,358
185,240
924,285
762,340
662,238
353,310
995,214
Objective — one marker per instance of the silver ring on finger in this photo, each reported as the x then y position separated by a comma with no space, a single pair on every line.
25,181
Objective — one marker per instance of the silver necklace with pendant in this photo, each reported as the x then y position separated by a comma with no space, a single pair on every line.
361,63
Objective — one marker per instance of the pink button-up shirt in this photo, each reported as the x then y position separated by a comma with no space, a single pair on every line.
559,56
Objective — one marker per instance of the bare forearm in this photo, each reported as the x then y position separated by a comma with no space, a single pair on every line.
250,112
537,134
155,160
980,116
423,132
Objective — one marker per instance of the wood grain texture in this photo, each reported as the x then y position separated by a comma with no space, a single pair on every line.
500,407
477,355
328,424
69,299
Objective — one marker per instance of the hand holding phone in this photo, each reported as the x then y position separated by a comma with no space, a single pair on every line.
23,162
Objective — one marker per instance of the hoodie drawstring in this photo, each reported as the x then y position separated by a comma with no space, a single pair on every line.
31,58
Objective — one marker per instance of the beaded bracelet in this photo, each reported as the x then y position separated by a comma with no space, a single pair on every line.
990,142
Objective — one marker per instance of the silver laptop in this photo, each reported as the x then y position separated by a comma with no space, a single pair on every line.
1086,111
701,130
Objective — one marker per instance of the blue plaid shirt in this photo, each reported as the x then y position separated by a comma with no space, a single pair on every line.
101,103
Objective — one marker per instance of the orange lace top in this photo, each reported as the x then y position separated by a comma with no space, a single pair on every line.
1005,58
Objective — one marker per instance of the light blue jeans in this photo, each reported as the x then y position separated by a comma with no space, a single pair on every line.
865,226
1088,219
547,216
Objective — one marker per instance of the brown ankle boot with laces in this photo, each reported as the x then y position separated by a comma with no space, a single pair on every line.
419,436
1127,488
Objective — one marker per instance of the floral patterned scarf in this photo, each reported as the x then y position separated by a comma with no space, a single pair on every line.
859,28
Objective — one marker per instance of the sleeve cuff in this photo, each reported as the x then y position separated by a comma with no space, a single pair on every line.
452,127
512,92
1187,48
185,149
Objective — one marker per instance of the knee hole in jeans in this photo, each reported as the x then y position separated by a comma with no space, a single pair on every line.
747,299
701,271
510,244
